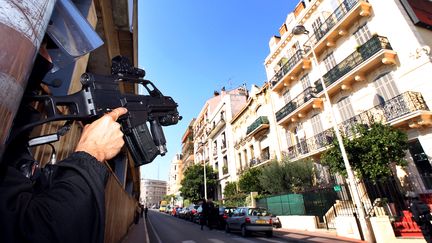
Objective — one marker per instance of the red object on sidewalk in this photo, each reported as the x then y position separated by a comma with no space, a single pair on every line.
406,227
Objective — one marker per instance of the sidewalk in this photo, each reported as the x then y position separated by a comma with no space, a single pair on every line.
137,233
321,236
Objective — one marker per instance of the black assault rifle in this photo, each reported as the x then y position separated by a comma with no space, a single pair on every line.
100,94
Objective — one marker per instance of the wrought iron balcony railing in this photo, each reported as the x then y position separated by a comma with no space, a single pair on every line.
387,112
295,103
288,66
390,110
258,122
254,161
363,53
331,21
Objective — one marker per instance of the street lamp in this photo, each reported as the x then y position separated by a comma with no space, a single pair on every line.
205,175
299,30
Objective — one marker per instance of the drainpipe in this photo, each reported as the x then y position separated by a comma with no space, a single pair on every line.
22,28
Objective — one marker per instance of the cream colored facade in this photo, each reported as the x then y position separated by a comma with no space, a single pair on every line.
152,191
365,61
213,139
254,131
174,177
187,149
375,64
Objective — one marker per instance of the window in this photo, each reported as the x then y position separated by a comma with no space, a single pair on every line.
316,124
386,86
223,141
345,109
362,34
316,26
300,137
305,82
287,96
329,61
288,135
225,165
265,154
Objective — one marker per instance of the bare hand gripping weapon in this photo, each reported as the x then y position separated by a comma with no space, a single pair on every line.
100,94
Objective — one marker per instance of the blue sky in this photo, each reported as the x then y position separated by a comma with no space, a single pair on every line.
191,48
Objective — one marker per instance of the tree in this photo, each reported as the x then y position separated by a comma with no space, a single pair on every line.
169,198
370,152
287,176
300,175
230,189
192,185
232,197
273,178
249,181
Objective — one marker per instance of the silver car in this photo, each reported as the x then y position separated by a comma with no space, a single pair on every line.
248,219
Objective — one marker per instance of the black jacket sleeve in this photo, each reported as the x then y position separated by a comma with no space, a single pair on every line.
70,209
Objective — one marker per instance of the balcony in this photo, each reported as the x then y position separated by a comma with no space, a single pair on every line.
253,162
375,52
289,71
216,127
291,111
260,124
337,24
407,110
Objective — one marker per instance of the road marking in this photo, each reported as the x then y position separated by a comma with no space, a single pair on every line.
145,228
216,241
154,231
188,241
241,239
269,240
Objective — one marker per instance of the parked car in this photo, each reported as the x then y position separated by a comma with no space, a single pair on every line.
248,219
176,210
196,216
192,211
224,213
183,213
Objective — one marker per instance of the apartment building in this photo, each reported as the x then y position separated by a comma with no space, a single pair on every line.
213,140
374,59
187,149
254,131
152,191
174,177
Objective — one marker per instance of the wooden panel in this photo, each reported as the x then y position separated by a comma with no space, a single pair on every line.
120,208
111,35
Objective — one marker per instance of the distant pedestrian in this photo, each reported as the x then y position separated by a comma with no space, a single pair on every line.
421,215
141,210
204,213
145,211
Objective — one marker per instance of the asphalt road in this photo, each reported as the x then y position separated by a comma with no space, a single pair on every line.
163,228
